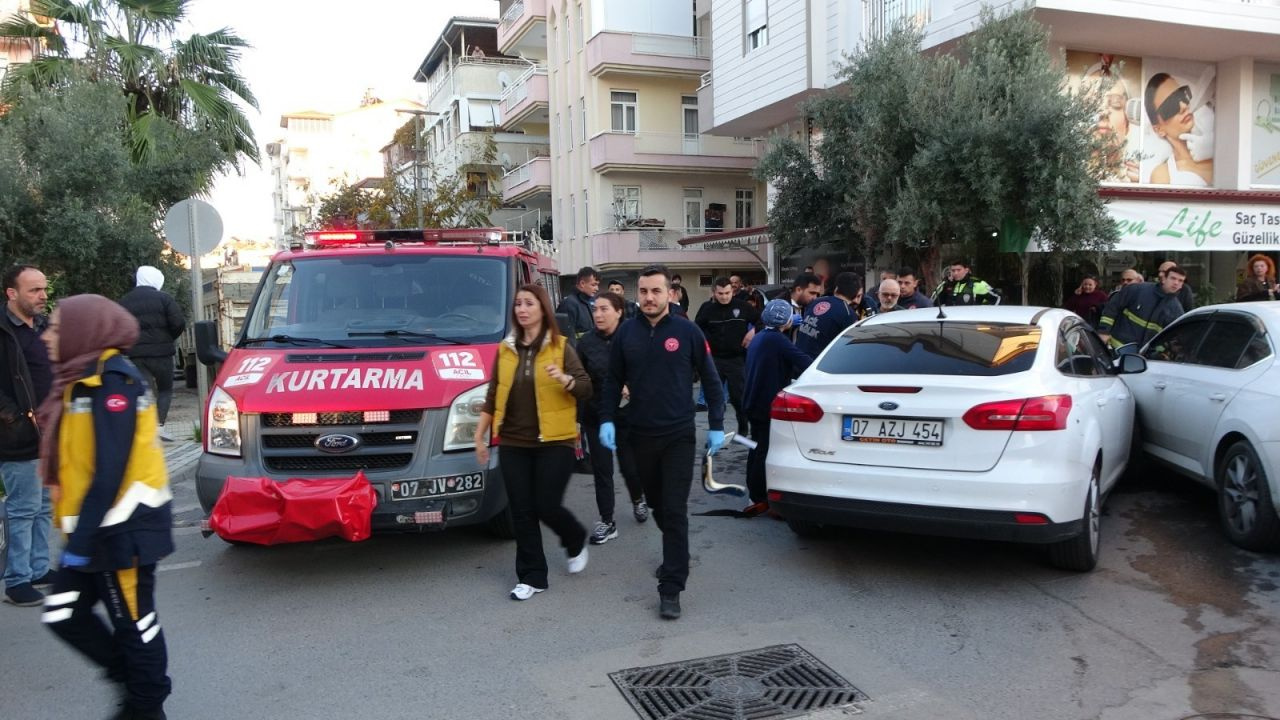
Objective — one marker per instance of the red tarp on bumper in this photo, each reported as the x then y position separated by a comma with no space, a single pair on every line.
265,512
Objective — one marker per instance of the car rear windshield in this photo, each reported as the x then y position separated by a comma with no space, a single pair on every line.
933,348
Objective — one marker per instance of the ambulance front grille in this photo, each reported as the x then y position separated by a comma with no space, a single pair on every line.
288,445
397,417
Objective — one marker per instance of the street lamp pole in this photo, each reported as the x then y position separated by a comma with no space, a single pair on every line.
417,157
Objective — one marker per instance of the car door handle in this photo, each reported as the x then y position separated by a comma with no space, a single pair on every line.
1218,397
1102,402
1160,384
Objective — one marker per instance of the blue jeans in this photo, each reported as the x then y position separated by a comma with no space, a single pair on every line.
30,519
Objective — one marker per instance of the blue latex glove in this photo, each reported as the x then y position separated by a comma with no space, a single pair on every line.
72,560
608,436
797,318
715,441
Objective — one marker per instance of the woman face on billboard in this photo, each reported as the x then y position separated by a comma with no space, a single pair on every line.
1171,109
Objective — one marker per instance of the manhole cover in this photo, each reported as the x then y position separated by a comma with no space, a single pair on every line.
781,681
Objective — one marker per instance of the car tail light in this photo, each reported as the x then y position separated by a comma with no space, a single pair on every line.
1038,413
775,496
796,408
1030,519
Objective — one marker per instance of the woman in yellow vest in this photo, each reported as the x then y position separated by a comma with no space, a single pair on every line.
105,468
532,408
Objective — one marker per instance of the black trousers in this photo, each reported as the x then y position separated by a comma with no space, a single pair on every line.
132,649
602,467
158,372
733,370
757,485
536,479
665,464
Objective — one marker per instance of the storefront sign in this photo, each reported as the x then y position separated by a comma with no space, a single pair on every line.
1147,225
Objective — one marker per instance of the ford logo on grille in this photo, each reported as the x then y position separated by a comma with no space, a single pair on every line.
336,443
886,405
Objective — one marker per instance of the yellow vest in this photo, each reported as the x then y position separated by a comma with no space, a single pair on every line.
146,479
557,409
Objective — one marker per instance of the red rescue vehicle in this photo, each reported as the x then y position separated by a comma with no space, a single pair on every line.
371,351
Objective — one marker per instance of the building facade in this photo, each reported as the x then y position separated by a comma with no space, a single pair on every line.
320,151
17,52
614,85
1206,200
463,79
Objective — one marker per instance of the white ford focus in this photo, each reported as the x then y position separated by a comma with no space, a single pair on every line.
1207,408
1004,423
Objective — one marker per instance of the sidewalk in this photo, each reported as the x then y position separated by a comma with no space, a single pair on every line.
180,456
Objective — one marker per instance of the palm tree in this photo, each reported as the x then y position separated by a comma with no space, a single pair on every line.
193,81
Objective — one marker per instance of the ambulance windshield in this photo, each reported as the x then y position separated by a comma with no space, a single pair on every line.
384,301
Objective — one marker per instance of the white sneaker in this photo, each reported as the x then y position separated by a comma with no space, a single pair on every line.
163,434
524,592
578,562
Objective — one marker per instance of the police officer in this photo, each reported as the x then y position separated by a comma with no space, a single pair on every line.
962,288
729,325
827,317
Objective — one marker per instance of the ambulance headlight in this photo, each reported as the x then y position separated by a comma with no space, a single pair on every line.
223,424
464,417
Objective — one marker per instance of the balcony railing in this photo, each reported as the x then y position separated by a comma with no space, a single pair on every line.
881,16
448,79
532,80
677,45
512,14
659,245
676,150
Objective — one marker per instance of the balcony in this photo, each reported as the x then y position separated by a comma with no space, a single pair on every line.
527,181
523,29
526,100
668,152
881,16
644,54
469,76
617,249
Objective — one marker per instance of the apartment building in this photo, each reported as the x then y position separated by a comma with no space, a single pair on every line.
630,175
319,151
463,79
16,52
1207,201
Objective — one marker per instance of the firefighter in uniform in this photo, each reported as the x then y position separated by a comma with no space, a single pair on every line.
962,288
112,501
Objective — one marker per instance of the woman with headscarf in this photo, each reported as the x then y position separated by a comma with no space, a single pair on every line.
1260,284
105,468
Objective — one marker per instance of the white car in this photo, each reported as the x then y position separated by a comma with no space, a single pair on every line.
1003,423
1209,407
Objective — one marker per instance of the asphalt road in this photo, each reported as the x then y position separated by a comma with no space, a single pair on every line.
1173,623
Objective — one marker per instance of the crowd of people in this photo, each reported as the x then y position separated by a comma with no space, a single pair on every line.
80,430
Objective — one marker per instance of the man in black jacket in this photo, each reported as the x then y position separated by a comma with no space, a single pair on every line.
161,322
656,357
729,324
577,304
25,378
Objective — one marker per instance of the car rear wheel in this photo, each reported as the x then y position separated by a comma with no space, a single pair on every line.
1244,500
804,528
1080,553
